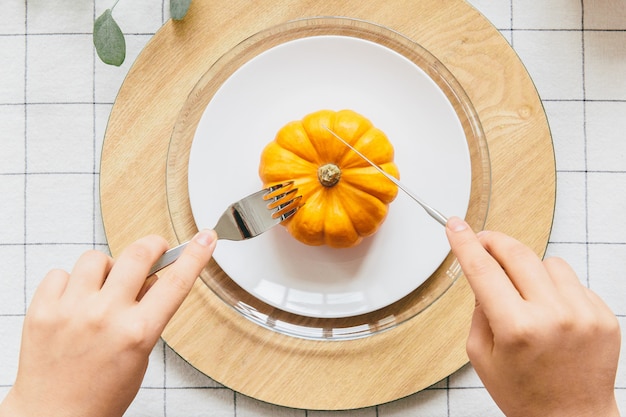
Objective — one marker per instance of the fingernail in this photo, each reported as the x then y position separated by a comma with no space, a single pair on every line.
456,224
205,237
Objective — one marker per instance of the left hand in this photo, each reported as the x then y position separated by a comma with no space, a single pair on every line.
88,334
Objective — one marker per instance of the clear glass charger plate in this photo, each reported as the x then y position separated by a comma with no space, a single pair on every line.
338,325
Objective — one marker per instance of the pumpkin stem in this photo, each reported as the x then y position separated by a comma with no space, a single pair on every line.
328,174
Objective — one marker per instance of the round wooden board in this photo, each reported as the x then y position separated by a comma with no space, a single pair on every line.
319,374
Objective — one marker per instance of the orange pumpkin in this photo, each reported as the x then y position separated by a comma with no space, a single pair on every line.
345,199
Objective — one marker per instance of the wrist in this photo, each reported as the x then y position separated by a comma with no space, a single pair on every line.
574,406
18,405
12,407
609,409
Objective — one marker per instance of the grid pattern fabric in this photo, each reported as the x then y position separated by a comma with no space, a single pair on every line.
55,98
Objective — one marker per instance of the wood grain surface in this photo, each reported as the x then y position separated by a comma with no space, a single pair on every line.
305,373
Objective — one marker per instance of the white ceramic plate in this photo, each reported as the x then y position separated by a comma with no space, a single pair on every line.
332,72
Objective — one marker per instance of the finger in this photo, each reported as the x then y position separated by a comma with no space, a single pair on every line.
480,340
168,292
51,287
492,288
89,273
565,279
130,270
600,305
521,264
571,289
146,286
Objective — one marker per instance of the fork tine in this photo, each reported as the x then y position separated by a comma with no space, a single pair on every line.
287,209
290,213
272,191
283,199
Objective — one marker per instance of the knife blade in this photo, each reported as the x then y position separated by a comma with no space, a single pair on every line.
434,213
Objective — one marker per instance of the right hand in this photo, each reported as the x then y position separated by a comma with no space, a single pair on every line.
542,343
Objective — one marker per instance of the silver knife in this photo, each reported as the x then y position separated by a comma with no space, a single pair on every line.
435,214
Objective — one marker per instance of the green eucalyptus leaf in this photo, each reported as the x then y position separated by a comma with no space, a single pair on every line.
178,8
109,39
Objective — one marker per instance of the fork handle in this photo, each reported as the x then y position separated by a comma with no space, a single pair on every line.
167,258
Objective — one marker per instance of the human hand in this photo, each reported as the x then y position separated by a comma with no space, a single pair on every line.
542,343
88,334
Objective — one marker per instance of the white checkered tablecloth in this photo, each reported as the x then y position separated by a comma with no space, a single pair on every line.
55,98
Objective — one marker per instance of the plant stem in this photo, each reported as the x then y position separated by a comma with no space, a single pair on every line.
114,4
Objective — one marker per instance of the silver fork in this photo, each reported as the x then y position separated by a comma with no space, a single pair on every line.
247,218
